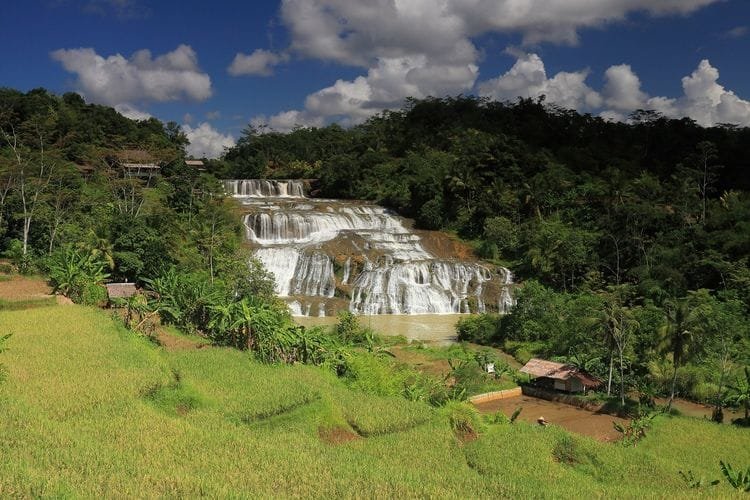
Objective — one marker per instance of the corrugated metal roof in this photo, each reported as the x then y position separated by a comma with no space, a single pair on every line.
549,369
121,290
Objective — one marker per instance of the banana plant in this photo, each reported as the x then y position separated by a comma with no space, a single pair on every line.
739,479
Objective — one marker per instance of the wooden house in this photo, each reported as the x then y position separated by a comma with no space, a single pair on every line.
196,164
560,376
121,290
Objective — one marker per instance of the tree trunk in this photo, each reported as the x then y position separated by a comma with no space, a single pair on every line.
609,383
674,384
26,231
622,380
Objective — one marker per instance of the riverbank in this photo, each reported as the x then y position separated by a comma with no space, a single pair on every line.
436,328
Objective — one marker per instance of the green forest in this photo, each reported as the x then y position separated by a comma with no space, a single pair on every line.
629,241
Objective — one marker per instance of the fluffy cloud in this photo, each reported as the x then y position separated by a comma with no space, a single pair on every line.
116,80
131,112
206,141
286,121
260,63
708,102
358,31
528,78
622,89
559,20
425,47
704,99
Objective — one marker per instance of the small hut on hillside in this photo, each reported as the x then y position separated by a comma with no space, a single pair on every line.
560,376
120,290
196,164
138,163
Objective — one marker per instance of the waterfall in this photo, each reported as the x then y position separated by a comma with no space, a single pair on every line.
328,255
260,188
347,271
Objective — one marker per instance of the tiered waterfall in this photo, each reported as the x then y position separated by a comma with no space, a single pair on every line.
327,255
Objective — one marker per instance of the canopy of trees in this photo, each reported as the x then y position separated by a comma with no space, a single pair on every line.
624,224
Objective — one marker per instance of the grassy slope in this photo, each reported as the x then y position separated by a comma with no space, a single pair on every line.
91,410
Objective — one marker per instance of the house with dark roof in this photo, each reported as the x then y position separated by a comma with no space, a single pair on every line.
560,376
120,290
196,164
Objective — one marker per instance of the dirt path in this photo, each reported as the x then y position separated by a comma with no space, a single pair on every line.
597,425
173,342
23,288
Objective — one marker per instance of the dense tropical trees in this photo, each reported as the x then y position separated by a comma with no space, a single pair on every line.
579,208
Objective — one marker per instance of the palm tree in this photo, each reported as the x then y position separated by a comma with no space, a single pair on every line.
618,323
676,335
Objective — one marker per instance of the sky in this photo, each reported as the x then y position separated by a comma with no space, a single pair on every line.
216,67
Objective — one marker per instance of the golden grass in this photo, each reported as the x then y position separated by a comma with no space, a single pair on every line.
90,410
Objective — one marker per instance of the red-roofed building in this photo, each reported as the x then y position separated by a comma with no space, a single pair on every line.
560,376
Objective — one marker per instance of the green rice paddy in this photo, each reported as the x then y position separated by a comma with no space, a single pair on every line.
91,410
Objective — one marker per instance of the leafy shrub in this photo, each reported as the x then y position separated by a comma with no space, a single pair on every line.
497,418
502,233
184,299
349,330
23,262
463,418
431,214
480,329
73,271
93,294
420,387
373,375
704,391
738,479
523,351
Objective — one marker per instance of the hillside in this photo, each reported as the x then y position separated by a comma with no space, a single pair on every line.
89,409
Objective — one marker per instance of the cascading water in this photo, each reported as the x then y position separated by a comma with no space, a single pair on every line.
328,255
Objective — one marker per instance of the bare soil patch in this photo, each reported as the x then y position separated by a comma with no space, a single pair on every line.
62,300
24,288
172,342
593,424
336,435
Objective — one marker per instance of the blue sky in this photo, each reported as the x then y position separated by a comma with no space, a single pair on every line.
217,66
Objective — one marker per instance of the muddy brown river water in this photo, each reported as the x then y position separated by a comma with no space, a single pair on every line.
439,328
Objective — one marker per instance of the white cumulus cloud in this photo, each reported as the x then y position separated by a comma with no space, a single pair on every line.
116,80
528,78
206,141
419,48
260,63
286,121
129,111
704,99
